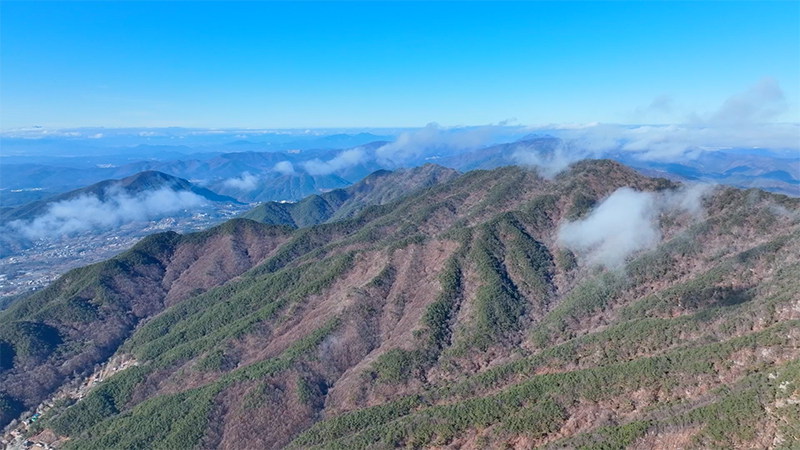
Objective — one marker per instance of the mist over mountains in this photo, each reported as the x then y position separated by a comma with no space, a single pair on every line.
378,188
489,308
143,197
438,273
727,146
402,290
681,153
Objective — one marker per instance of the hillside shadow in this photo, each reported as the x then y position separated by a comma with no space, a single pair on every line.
729,296
716,296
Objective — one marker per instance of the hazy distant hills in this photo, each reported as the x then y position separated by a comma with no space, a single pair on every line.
216,172
261,181
282,187
741,170
496,308
501,154
377,188
133,185
10,199
775,174
250,175
221,167
145,181
163,145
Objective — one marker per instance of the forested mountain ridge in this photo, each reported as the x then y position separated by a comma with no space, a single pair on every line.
378,188
83,317
455,317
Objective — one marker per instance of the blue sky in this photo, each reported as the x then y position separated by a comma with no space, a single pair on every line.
287,65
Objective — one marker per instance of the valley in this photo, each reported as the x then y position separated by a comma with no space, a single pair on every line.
44,238
37,266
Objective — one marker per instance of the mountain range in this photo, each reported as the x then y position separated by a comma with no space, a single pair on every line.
378,188
490,309
249,174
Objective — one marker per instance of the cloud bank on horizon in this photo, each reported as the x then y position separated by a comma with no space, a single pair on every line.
741,121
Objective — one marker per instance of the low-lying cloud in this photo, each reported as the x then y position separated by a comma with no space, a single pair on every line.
343,160
88,212
550,163
246,182
675,142
433,138
411,147
284,168
626,222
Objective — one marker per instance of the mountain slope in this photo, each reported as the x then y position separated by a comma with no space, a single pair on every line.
10,199
133,185
282,187
378,188
455,317
84,316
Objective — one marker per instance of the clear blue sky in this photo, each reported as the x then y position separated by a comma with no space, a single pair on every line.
385,64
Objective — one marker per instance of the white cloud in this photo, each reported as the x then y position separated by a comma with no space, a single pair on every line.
689,197
742,121
625,223
550,163
284,168
619,226
674,142
246,182
347,158
88,212
419,143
